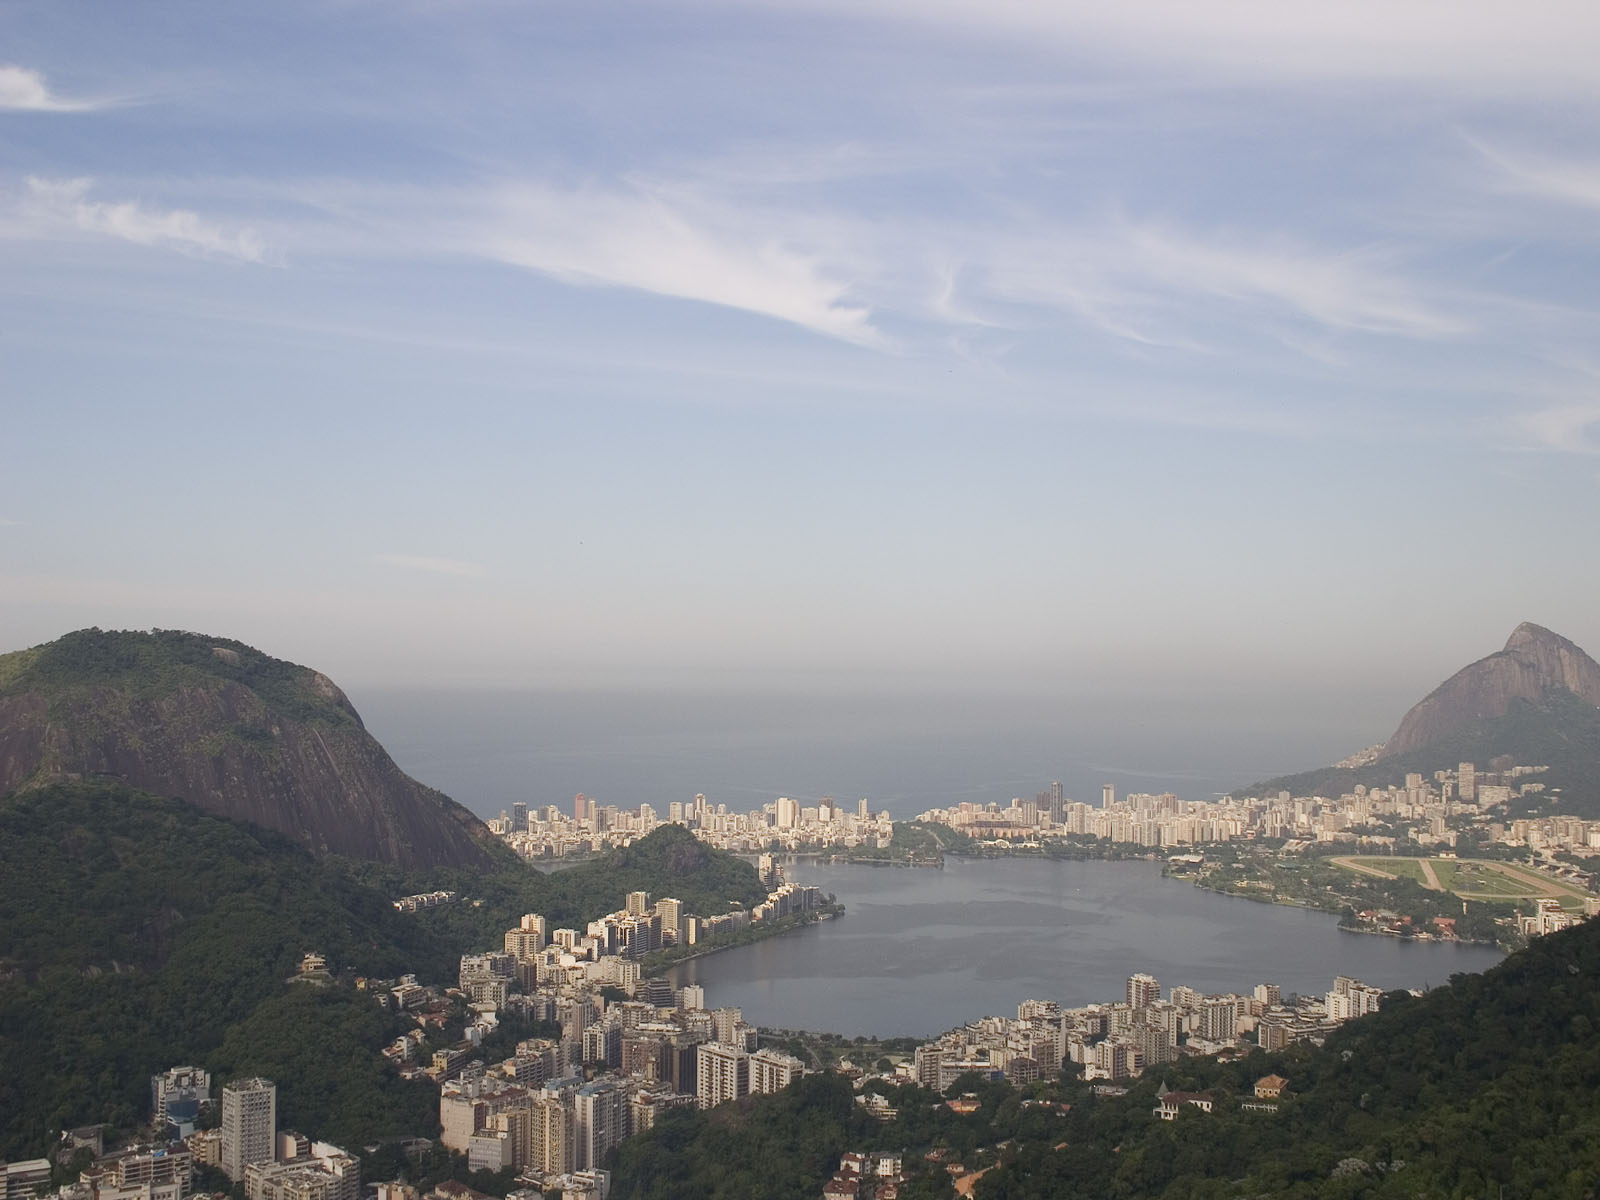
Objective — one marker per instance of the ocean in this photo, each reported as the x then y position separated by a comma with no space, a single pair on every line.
906,754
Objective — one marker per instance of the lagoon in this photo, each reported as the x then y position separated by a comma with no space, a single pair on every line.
919,951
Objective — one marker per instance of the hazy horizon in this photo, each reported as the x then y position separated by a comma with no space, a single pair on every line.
488,748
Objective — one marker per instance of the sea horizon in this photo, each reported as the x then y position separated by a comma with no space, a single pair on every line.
488,749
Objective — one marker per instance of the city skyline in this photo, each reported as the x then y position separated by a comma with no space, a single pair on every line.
806,347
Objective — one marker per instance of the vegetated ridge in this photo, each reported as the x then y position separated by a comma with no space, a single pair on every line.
138,932
232,730
1532,703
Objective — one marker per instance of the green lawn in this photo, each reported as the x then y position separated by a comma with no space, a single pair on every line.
1477,879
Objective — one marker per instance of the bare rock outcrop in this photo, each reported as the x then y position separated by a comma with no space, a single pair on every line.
230,730
1534,663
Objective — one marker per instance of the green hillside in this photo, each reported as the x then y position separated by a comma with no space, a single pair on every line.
158,663
234,731
137,932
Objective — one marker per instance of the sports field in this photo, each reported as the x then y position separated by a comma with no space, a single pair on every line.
1469,878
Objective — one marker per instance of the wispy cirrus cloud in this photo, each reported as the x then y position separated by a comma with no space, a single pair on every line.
23,89
1572,428
54,206
1540,47
1568,181
629,237
1163,286
429,565
1337,289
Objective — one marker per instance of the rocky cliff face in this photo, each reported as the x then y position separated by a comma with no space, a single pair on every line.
1534,663
230,730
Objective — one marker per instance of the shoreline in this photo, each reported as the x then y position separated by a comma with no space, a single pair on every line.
1289,902
735,942
1109,854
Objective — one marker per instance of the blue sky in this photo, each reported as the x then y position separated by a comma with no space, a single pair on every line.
1237,345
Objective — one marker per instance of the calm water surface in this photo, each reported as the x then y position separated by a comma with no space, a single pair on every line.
920,951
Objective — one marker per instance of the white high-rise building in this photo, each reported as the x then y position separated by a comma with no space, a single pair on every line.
788,813
772,1071
1143,990
249,1124
721,1073
1108,795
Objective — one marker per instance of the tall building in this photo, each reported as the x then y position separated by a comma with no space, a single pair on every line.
772,1071
1143,990
862,812
519,817
1155,1044
788,812
722,1073
600,1121
1467,781
579,808
1217,1020
1108,795
727,1022
1058,801
638,903
671,913
249,1124
552,1138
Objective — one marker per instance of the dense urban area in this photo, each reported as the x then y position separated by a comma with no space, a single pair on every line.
622,1049
551,1049
1366,852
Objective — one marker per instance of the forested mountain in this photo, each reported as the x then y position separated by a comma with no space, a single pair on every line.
229,729
138,932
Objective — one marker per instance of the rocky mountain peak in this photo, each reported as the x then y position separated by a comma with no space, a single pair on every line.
1534,663
230,729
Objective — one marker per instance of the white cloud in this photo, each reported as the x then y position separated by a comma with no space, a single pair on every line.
65,204
25,90
432,566
632,238
1573,428
1338,290
1163,287
1540,47
1565,181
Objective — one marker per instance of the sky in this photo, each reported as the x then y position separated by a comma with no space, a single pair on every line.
1158,349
